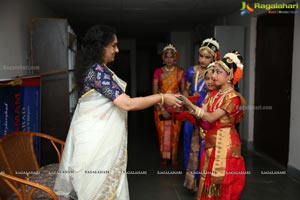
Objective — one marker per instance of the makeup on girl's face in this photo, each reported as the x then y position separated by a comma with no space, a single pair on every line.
169,59
205,58
209,82
220,76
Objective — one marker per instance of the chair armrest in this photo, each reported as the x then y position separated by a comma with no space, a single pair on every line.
23,194
57,143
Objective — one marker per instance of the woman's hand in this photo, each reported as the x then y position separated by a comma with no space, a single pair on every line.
172,100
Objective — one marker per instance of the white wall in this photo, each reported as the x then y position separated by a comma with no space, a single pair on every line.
294,158
15,20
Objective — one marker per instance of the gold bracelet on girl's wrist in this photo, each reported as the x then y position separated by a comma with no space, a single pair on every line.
199,112
202,113
196,111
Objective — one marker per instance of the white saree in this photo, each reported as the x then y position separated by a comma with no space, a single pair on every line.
94,160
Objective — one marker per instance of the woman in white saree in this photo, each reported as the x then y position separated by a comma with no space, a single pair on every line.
94,160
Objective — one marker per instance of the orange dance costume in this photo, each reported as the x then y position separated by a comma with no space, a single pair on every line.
168,130
168,79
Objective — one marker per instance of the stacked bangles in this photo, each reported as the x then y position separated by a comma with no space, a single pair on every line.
199,112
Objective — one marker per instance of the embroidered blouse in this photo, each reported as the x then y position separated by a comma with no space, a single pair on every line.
100,78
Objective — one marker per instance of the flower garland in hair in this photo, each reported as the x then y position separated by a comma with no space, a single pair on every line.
213,46
218,55
238,74
211,41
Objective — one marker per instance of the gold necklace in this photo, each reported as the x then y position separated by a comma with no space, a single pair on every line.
215,97
225,90
200,70
169,70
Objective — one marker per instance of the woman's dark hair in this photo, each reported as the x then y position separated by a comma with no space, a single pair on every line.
94,41
92,49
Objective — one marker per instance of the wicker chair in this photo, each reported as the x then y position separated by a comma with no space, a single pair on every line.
28,188
19,167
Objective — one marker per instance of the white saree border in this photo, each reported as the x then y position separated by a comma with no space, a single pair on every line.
94,159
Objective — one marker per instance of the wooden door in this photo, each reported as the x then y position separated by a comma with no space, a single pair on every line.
274,47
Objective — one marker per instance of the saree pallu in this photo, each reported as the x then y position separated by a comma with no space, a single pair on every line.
195,155
222,177
187,141
168,134
94,160
192,168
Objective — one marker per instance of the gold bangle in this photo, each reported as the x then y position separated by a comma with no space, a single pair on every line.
162,99
191,111
202,113
197,112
